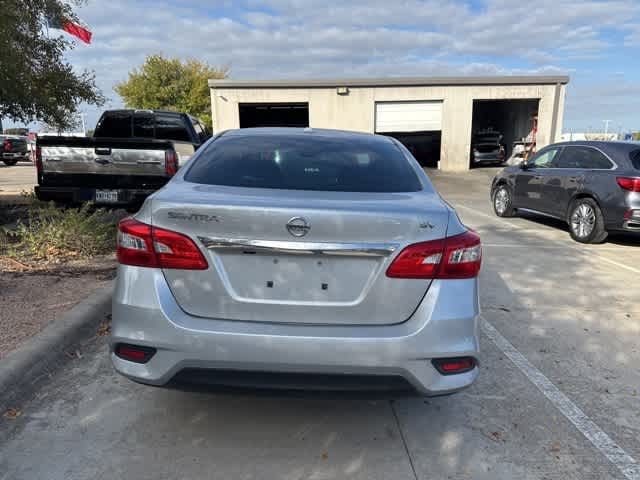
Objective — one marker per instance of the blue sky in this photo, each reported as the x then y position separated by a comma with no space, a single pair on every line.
595,42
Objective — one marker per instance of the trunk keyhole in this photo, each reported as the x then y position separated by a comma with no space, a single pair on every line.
270,284
325,286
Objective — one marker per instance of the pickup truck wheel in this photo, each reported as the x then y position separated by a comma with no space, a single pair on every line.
10,162
586,223
502,202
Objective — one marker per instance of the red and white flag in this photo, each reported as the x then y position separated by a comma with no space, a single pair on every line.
73,28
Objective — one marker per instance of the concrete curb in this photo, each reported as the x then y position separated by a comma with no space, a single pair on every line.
24,369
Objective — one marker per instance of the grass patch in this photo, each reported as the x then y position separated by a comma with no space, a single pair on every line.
53,234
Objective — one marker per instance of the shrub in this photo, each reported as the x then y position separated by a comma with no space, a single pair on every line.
54,234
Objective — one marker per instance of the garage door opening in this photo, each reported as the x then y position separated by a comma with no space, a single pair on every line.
498,127
424,146
274,115
417,125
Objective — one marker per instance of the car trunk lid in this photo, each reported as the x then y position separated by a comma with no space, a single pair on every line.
328,267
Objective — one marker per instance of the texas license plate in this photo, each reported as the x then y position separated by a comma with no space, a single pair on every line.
107,196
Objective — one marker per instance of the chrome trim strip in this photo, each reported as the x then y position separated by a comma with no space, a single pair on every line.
631,225
148,162
538,212
301,248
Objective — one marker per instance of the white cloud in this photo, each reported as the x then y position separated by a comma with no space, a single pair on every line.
300,38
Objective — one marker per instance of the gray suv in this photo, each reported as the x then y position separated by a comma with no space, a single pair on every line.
593,186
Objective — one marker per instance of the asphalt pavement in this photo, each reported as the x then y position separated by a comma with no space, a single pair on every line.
17,178
558,395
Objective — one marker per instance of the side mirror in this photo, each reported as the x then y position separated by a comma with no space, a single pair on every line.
523,165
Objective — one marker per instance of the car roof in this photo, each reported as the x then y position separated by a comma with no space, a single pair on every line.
612,148
601,144
297,132
133,110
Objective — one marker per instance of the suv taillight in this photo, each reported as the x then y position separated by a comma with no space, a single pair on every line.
170,162
38,160
6,145
629,183
142,245
453,257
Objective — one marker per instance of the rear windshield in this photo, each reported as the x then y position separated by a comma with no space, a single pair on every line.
171,127
114,124
635,159
305,163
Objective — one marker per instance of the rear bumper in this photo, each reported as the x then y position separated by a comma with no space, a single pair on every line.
127,196
487,157
444,325
623,213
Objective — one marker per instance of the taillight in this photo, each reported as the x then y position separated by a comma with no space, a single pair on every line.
135,246
629,183
170,162
451,366
142,245
38,160
453,257
134,353
6,145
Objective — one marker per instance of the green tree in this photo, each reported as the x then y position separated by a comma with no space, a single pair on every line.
170,84
36,83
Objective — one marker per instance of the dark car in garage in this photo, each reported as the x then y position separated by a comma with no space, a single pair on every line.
487,148
593,186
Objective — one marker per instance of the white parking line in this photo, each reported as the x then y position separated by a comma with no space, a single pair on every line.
517,227
618,264
492,217
610,449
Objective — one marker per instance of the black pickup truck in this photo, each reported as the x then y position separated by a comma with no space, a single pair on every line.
13,148
131,154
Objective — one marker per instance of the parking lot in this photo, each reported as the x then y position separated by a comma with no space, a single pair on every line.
558,395
17,178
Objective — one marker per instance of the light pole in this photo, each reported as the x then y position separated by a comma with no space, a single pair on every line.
606,127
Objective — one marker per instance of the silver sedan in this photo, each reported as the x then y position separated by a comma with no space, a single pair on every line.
298,258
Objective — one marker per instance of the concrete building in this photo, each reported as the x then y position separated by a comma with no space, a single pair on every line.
435,117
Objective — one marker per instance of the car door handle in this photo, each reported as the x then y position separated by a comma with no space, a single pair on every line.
538,177
148,162
102,151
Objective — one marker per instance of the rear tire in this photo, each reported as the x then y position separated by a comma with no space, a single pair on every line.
586,222
10,162
503,202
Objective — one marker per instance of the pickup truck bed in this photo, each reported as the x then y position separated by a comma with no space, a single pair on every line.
111,171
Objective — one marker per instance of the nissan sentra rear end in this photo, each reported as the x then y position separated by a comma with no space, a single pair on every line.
298,258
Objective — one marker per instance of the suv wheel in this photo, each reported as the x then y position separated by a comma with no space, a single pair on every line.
502,202
586,223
